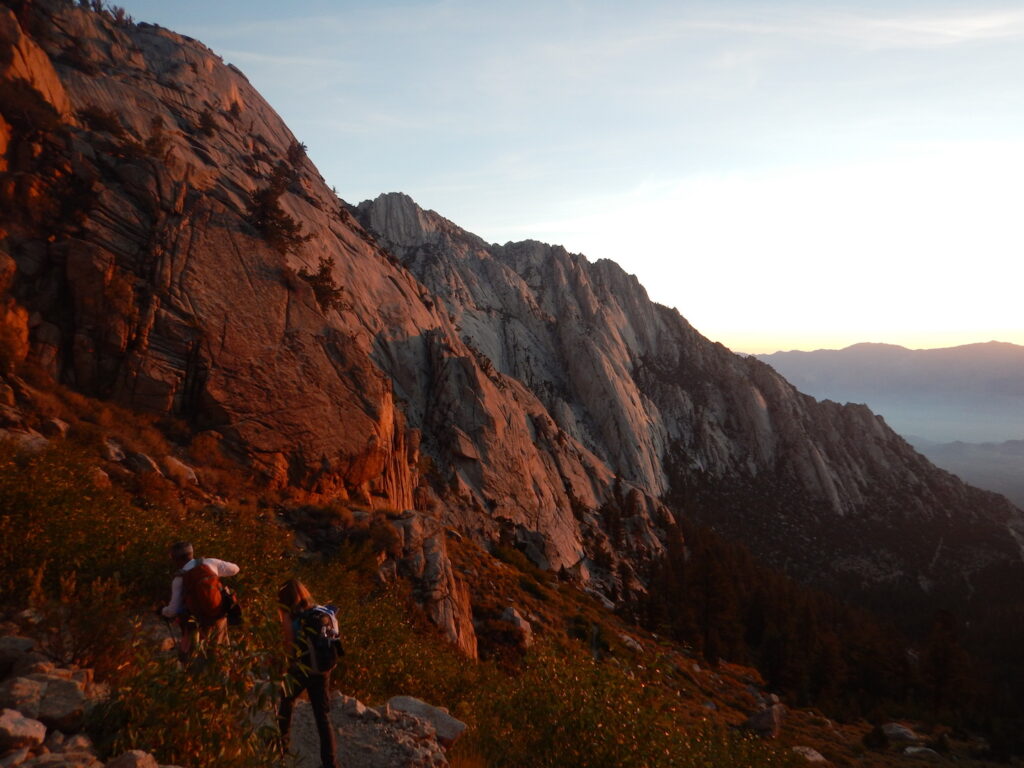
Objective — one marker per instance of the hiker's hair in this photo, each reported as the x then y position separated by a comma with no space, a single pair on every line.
294,596
182,552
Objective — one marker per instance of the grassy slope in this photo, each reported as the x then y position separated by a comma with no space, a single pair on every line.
92,561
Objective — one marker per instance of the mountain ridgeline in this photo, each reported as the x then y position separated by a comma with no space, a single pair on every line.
972,393
169,246
827,491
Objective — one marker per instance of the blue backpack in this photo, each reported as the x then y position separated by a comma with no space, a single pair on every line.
317,638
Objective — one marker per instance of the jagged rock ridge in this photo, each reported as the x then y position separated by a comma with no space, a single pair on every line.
141,278
823,488
513,389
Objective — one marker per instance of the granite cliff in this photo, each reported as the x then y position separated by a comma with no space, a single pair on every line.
827,490
163,233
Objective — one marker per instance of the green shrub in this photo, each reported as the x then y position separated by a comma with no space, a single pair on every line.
265,213
99,119
207,123
217,712
328,293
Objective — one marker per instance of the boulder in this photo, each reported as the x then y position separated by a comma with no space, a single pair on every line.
512,616
99,478
178,471
28,441
766,723
423,559
379,738
53,698
17,730
810,754
22,694
899,733
55,741
112,451
351,706
134,758
448,728
55,428
631,643
63,703
141,464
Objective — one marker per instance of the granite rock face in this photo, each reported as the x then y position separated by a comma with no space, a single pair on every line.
514,390
828,489
423,560
147,283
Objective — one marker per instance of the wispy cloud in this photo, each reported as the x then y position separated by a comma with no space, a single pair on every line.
940,30
864,29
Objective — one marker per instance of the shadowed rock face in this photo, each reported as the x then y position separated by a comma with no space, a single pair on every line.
828,490
547,391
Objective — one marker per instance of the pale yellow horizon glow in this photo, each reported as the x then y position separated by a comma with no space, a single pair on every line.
754,343
923,250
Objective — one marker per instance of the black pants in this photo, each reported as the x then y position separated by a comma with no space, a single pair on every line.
319,688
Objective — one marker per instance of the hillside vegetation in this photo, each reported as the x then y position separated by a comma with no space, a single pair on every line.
90,559
93,562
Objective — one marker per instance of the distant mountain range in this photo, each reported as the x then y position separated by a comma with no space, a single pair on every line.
972,393
962,407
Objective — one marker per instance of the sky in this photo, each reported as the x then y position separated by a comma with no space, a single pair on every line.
788,175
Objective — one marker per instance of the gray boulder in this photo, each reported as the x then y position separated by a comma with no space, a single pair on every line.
57,701
23,694
112,451
631,642
525,629
899,733
63,703
55,427
448,728
18,731
28,441
142,464
181,473
424,560
766,723
810,754
368,737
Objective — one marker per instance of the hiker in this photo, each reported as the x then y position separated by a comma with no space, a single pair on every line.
311,642
199,601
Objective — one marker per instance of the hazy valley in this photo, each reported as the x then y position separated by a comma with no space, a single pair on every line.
962,407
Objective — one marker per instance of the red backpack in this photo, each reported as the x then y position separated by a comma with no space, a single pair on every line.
201,591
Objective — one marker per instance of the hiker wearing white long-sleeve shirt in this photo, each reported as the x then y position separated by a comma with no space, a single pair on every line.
197,598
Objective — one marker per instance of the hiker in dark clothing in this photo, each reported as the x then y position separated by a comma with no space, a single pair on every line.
311,642
197,598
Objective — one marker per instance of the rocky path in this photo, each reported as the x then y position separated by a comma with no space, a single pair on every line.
43,708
